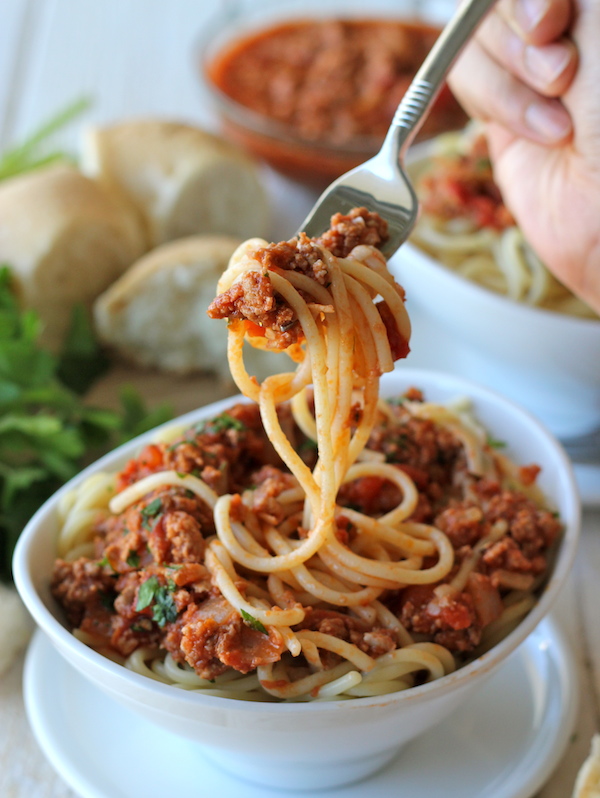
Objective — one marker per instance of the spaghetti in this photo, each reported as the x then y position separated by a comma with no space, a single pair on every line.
315,542
466,226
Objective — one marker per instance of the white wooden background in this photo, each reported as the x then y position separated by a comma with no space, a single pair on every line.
135,57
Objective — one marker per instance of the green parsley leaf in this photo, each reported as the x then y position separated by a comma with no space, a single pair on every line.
151,592
165,609
108,600
220,424
81,359
150,511
146,593
397,400
493,443
47,433
30,154
133,560
253,622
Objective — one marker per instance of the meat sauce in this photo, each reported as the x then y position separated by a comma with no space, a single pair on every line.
147,585
334,82
463,187
252,300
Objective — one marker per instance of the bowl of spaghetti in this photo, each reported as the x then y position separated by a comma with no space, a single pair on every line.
473,282
311,88
304,578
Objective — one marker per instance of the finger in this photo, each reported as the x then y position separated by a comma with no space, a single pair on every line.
539,21
489,92
548,69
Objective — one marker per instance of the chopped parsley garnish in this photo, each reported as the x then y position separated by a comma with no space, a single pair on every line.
308,445
47,431
151,592
151,511
220,424
105,562
397,400
493,443
133,561
253,622
108,600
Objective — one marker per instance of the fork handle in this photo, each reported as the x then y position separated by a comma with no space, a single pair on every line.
429,79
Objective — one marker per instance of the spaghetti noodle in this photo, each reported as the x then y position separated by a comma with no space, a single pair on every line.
466,226
315,542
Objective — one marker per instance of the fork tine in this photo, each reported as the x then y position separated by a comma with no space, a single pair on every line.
342,198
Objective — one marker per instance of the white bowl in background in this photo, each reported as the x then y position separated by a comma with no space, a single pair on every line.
547,361
322,744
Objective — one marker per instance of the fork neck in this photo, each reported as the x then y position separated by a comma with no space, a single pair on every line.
429,79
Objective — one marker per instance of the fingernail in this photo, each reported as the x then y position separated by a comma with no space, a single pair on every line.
528,13
546,63
549,120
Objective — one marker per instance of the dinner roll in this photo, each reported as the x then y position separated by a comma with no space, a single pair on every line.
587,784
16,626
155,314
182,180
65,239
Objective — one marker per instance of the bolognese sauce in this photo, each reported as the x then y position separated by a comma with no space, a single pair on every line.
331,79
321,94
160,541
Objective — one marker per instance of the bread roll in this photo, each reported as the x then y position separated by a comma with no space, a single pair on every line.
155,314
587,784
182,180
65,239
16,627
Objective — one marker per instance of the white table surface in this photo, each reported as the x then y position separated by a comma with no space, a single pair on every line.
134,57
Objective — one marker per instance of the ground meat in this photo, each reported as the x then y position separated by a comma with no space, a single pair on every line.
165,527
270,483
81,584
148,586
507,555
252,299
431,455
360,226
463,523
221,451
212,638
450,621
534,529
374,641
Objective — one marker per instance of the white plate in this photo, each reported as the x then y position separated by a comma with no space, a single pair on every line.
503,743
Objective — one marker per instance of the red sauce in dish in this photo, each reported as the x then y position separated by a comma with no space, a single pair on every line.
331,83
462,186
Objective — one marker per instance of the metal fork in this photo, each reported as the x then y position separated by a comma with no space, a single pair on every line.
381,183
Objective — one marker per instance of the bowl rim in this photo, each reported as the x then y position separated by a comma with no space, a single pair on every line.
420,152
141,685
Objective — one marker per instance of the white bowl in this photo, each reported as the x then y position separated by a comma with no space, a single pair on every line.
308,745
547,361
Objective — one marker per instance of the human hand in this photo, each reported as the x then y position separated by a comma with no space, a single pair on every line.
532,74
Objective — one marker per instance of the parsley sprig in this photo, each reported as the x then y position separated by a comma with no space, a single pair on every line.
47,431
151,592
253,622
220,423
31,153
